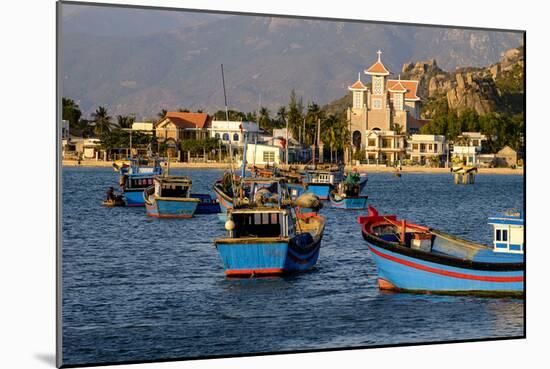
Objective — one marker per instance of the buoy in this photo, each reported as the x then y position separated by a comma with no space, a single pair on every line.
229,225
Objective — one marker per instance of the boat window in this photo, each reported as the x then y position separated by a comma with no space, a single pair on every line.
498,237
257,225
501,235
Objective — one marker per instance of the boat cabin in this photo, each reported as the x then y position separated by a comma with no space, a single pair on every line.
508,233
137,177
252,223
264,192
173,186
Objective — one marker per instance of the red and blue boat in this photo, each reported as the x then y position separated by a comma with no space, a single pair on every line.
264,234
170,197
135,178
414,258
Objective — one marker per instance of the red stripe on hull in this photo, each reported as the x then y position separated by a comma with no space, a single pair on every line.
249,272
446,272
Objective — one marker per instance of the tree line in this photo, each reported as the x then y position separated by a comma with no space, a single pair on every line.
303,122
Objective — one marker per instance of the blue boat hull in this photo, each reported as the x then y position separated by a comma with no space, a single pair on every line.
134,198
266,258
207,204
354,203
399,272
160,208
320,190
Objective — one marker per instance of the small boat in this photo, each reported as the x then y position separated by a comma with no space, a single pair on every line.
170,197
348,196
207,204
135,178
320,181
414,258
117,201
264,234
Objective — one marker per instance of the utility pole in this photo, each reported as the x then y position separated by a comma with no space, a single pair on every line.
286,143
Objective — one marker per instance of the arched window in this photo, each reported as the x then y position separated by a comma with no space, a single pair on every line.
235,137
217,136
375,129
225,137
356,139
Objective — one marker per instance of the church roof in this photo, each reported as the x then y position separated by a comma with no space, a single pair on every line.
410,85
378,69
397,87
358,85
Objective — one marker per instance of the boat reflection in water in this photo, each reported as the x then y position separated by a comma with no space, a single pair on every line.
264,234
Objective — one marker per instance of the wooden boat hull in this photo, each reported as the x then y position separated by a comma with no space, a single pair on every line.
401,273
405,269
134,198
267,257
113,203
207,204
321,190
351,203
171,207
224,200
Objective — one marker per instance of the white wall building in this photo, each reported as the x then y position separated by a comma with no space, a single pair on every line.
232,131
422,148
468,147
144,127
260,154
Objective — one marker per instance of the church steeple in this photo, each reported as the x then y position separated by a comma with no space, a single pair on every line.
377,69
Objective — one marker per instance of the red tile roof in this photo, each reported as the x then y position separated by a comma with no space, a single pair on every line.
396,87
417,123
410,85
377,68
188,120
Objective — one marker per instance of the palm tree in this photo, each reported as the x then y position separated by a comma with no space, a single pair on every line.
281,116
334,133
162,113
102,121
125,121
263,118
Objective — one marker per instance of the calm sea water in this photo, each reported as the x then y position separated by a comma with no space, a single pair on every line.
137,288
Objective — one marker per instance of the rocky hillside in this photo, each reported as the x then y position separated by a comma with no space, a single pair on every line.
497,87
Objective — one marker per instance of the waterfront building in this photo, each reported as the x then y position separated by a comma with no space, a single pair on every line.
232,132
423,149
261,154
143,127
178,126
468,146
507,157
390,105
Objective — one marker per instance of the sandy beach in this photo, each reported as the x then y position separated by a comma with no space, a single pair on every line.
360,168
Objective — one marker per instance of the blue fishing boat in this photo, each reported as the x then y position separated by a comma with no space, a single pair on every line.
170,197
418,259
348,198
207,204
264,235
135,178
320,182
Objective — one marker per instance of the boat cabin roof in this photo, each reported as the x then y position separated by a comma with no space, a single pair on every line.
174,180
509,218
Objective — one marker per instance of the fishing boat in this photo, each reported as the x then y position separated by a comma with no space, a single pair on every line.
207,204
294,180
264,235
348,196
135,178
414,258
170,197
320,181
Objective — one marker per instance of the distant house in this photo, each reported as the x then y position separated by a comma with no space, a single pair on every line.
507,157
384,146
178,126
468,147
260,154
422,148
143,127
232,132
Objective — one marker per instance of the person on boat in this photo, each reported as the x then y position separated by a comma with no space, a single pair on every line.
111,194
353,177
